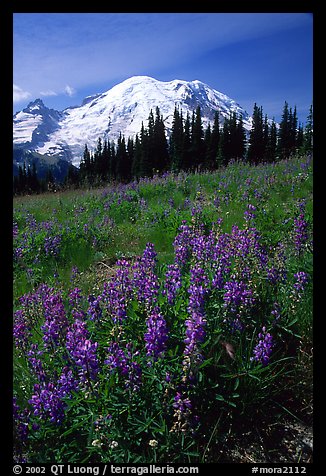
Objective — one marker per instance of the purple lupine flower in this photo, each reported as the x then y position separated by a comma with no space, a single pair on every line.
116,295
276,312
56,321
181,403
263,349
48,398
237,296
75,296
36,363
122,359
94,310
47,404
145,280
182,244
52,245
301,281
172,282
182,413
82,350
195,324
67,382
21,420
300,229
21,330
249,214
74,273
156,335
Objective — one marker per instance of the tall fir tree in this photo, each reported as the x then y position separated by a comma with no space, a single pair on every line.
145,166
215,139
308,132
160,152
284,133
176,141
256,137
271,145
197,139
123,165
186,163
239,139
137,158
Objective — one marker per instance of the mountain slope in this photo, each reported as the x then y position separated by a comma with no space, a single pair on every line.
122,108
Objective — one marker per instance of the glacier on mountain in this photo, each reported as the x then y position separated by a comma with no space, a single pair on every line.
121,109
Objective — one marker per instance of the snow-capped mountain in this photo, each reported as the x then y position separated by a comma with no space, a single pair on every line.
122,108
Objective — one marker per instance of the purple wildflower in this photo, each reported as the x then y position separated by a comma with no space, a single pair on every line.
156,335
94,309
75,296
301,281
21,330
145,280
48,398
182,245
263,349
249,213
195,324
36,363
52,245
74,274
123,361
47,404
172,282
300,229
56,322
237,297
21,421
82,350
116,295
182,413
276,313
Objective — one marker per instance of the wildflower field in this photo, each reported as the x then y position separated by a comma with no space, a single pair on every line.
154,320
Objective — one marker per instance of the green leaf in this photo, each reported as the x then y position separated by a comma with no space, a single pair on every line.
219,397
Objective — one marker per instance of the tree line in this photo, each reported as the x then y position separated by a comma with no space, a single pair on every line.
190,147
28,182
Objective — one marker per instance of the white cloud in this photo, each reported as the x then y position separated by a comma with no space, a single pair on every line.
48,92
19,94
70,91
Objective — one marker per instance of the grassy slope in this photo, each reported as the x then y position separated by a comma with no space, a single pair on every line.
105,224
99,226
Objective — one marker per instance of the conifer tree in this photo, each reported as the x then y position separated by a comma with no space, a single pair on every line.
197,139
207,162
300,138
308,132
271,146
123,164
225,146
160,152
293,130
215,139
137,158
239,139
256,137
145,167
186,145
176,141
284,134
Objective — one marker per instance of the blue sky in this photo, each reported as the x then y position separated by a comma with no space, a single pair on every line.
252,57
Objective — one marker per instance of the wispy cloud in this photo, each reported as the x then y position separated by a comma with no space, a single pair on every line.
49,92
70,91
68,51
19,94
